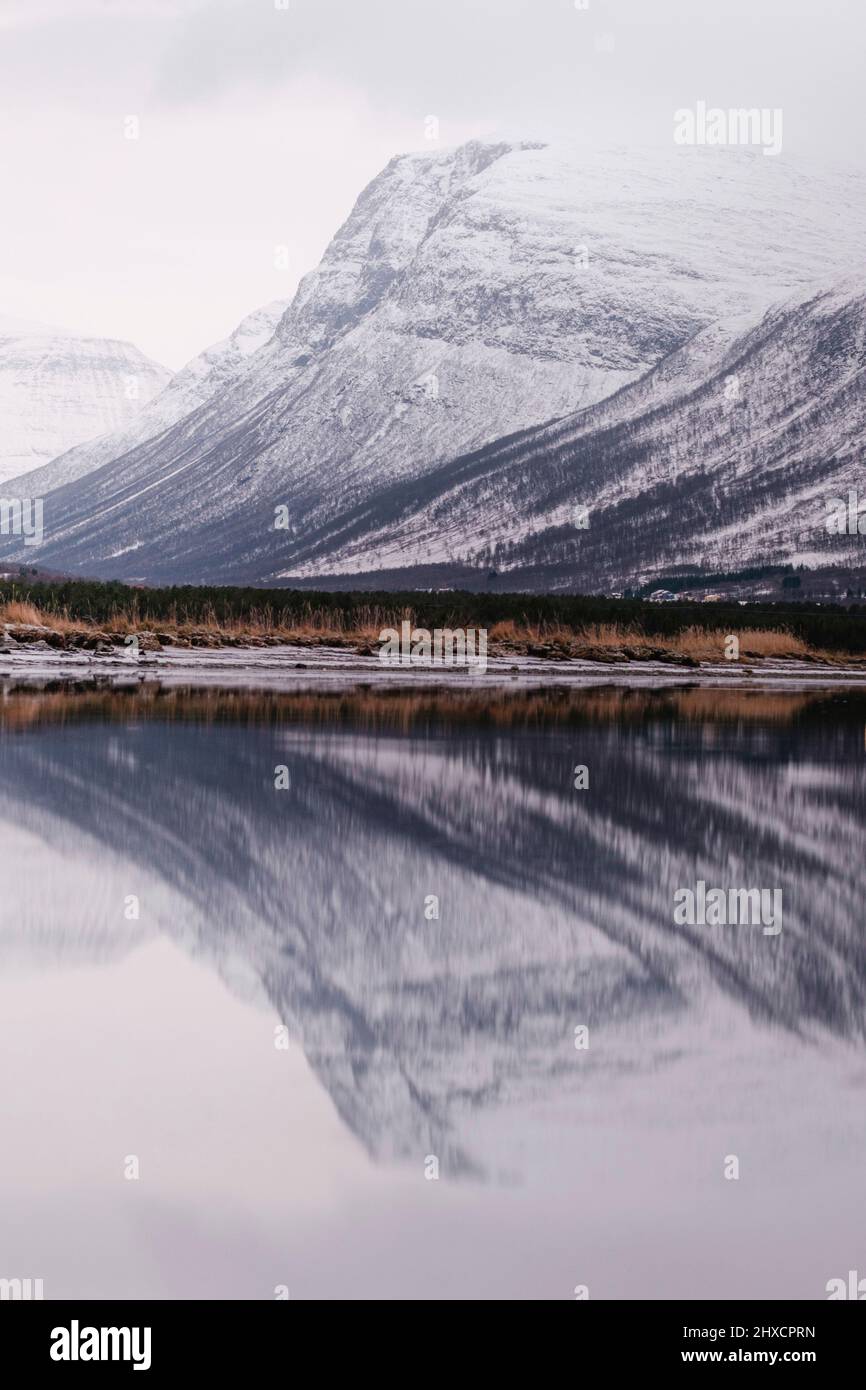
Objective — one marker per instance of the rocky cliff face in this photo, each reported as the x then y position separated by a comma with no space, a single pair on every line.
470,294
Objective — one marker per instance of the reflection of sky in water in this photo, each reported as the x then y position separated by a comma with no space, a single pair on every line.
411,1037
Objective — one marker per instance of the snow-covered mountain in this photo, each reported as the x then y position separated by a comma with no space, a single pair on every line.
470,294
194,384
727,454
59,388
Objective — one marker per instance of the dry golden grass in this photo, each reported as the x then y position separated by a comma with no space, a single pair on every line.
612,636
16,612
318,626
28,614
699,643
706,645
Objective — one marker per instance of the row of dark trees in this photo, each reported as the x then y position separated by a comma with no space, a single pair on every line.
92,601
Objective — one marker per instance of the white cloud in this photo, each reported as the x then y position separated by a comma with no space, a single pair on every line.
260,126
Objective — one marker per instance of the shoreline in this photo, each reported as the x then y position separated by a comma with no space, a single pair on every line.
301,666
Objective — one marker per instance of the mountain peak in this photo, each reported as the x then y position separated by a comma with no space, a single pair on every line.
59,388
470,294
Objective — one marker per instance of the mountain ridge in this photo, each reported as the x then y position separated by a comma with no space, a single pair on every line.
469,295
59,388
709,493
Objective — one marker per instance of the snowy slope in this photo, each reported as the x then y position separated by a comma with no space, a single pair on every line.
58,388
470,293
194,384
727,454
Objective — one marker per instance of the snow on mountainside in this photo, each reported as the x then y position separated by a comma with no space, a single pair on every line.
190,387
471,293
59,388
726,455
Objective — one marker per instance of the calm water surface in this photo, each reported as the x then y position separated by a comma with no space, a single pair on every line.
170,919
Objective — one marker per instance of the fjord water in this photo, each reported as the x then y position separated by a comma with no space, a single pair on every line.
170,919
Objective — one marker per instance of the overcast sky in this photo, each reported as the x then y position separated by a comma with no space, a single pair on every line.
259,125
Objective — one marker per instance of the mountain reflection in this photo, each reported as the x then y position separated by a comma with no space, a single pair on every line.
555,904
